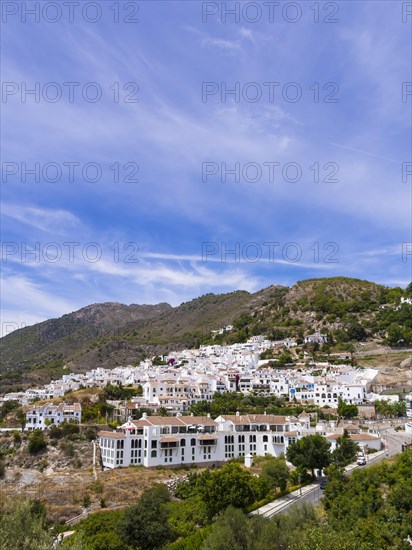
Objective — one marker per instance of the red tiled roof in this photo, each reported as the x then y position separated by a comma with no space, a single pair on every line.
115,435
255,419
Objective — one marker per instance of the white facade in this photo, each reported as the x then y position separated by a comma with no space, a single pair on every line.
408,425
42,416
316,338
364,440
174,441
159,441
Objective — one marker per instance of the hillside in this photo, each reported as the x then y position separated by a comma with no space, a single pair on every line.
110,334
61,475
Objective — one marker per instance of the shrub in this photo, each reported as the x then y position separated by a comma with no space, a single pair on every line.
43,465
69,428
67,448
37,443
55,432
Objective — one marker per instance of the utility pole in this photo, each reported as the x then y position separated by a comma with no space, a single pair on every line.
300,486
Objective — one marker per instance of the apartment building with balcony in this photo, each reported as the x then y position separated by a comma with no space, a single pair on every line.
40,417
172,441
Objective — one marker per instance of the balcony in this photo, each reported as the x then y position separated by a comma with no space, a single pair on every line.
207,439
169,442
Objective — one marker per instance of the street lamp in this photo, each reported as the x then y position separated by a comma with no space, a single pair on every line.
300,486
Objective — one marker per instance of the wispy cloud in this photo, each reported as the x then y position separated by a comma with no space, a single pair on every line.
47,220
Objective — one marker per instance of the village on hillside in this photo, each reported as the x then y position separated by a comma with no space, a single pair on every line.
169,387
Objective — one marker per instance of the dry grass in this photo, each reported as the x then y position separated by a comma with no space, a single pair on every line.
383,360
63,492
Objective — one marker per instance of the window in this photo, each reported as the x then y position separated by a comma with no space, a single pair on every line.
153,454
154,444
193,441
183,442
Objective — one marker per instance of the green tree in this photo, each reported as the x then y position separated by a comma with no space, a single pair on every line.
231,484
325,538
389,410
345,451
242,321
310,452
98,531
345,410
400,495
230,532
37,443
23,527
356,331
276,472
146,524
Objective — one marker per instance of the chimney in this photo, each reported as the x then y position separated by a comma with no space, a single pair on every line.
144,416
237,413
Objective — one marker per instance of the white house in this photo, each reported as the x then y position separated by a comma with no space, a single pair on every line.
42,416
408,425
316,338
364,440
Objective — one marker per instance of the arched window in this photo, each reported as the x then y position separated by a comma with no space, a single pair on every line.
183,442
153,454
193,441
265,439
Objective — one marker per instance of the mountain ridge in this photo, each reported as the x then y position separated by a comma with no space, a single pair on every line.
108,334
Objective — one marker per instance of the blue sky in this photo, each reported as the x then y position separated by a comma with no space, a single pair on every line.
176,225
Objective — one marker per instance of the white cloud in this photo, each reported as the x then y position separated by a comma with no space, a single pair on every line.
44,219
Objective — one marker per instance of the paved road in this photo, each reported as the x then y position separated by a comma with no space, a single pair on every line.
312,493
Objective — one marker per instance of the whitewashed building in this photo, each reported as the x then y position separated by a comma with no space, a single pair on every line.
316,338
408,425
40,417
160,441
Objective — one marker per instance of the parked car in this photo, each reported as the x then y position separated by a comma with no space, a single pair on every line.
323,484
361,461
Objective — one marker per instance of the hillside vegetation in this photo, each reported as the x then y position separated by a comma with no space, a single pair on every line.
368,510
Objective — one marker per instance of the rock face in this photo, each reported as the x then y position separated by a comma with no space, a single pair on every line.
407,363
